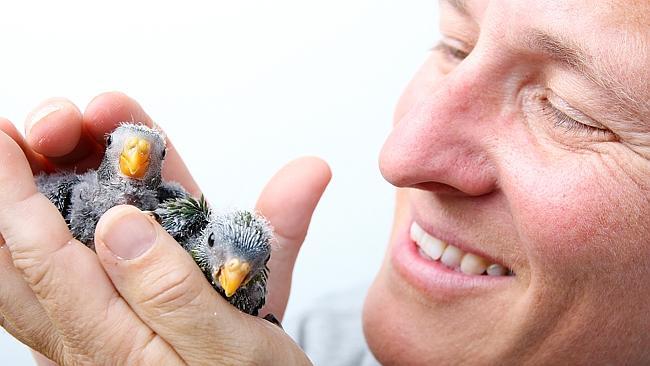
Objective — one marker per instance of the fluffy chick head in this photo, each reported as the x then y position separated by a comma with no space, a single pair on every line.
134,152
233,249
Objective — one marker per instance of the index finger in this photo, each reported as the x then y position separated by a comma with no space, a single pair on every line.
36,161
54,130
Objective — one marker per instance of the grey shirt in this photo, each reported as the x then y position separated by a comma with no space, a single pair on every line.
331,333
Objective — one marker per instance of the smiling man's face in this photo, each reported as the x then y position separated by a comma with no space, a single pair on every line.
522,230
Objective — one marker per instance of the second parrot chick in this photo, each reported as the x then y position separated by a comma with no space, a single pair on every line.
130,173
233,252
231,249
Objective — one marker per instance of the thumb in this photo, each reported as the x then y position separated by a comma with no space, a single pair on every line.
164,287
288,202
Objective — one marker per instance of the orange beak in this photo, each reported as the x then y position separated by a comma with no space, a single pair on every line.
232,274
134,159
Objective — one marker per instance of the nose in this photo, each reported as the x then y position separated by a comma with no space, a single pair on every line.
441,142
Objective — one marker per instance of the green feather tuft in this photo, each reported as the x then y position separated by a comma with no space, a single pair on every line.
185,217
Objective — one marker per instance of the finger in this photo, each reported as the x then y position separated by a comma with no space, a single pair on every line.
288,202
42,360
25,318
164,286
36,161
108,110
62,272
54,130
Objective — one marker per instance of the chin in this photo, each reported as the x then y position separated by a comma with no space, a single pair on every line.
391,335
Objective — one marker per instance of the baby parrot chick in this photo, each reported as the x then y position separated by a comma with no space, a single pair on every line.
233,253
130,173
232,249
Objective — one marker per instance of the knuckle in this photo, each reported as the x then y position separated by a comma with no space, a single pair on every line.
114,346
152,350
39,270
171,291
35,272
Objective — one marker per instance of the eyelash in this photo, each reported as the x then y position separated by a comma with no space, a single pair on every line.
450,51
570,125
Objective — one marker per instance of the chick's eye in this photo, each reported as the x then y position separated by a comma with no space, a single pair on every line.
164,153
109,140
211,240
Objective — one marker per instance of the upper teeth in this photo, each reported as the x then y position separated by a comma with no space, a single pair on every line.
452,256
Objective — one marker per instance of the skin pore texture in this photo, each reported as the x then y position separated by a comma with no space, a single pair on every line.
524,139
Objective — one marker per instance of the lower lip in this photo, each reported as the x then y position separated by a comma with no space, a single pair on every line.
434,278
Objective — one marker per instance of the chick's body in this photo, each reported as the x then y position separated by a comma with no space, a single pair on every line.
91,199
130,173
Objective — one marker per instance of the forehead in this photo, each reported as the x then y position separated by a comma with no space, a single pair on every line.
613,35
126,130
603,24
242,235
629,13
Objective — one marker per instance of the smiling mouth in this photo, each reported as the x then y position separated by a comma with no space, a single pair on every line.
436,250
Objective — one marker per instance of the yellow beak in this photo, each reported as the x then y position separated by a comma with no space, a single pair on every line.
134,159
232,274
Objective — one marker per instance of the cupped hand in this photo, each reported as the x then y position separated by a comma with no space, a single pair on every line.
144,305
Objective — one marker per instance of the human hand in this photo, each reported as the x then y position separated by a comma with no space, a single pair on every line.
56,318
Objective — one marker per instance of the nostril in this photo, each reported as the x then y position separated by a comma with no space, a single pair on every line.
233,264
439,188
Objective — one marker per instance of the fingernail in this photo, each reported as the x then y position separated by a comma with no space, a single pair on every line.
129,236
40,115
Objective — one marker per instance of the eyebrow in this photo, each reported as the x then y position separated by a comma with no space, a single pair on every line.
459,5
573,57
627,103
564,52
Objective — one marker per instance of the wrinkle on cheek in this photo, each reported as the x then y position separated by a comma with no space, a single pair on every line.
627,168
563,216
583,224
584,227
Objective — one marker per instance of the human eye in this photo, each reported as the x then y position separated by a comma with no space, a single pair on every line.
572,122
450,53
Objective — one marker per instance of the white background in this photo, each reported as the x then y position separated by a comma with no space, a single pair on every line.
241,87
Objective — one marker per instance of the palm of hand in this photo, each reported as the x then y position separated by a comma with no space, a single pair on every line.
153,308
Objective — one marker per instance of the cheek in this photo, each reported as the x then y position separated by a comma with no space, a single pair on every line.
576,217
584,230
